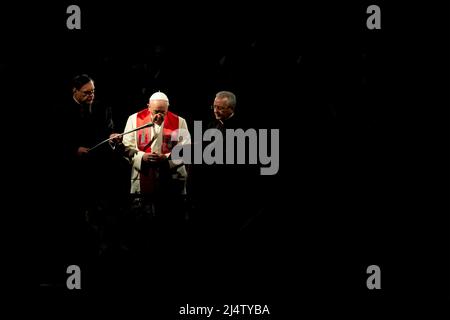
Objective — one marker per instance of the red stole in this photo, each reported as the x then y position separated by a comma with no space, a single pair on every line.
149,175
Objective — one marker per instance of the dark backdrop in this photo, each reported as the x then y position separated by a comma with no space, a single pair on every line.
363,119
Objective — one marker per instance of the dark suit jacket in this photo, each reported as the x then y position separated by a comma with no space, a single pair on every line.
102,172
225,194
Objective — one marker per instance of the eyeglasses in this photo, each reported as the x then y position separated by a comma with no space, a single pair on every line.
219,108
88,92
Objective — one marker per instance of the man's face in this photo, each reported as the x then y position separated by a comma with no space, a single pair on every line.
158,108
85,95
221,109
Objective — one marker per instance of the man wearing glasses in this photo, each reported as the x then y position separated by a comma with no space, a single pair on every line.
93,121
97,178
216,182
223,109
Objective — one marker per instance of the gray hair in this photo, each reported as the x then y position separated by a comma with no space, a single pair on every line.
231,98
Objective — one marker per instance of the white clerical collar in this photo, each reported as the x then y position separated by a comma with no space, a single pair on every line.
90,105
226,118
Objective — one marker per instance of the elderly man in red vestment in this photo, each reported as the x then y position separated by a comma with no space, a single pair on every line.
157,181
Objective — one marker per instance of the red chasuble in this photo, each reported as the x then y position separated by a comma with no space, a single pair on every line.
149,175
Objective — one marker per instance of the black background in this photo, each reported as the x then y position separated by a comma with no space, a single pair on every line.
363,119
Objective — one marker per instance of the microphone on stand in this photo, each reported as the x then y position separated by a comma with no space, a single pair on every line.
150,124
